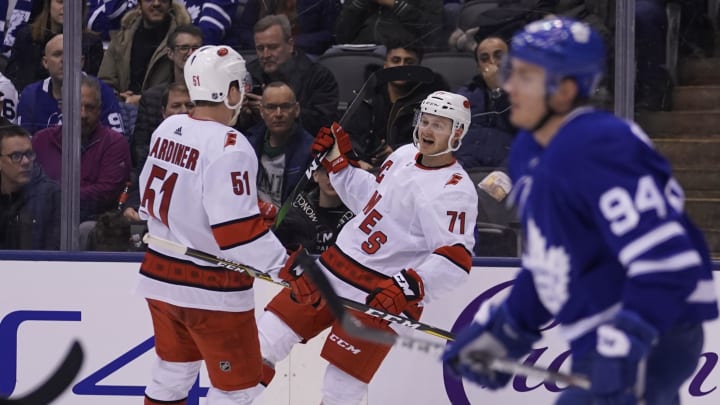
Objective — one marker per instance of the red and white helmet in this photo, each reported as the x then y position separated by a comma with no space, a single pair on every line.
209,72
450,105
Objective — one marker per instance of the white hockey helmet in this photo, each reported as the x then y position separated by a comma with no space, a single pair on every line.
209,72
450,105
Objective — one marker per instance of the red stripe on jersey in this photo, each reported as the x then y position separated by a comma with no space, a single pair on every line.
180,272
350,271
456,254
239,232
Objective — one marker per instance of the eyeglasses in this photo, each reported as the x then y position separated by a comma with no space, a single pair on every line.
16,157
284,107
185,48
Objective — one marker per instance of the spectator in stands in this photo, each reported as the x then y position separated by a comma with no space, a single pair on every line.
385,121
487,142
182,42
24,66
136,57
281,144
9,99
416,23
277,60
174,99
213,17
29,200
312,22
39,106
315,217
104,158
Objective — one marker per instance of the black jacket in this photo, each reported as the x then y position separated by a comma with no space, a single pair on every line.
308,224
315,89
377,119
30,218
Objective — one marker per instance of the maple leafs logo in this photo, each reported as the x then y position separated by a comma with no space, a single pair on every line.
550,266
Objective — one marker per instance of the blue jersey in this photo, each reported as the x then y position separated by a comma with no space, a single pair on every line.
37,109
604,230
213,17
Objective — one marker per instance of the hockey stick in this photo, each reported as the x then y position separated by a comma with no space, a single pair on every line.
58,382
303,260
413,73
483,363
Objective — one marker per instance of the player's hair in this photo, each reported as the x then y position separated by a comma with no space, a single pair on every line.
93,84
10,130
395,43
178,87
275,19
277,84
189,29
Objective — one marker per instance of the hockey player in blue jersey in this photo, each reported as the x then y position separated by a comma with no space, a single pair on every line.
608,253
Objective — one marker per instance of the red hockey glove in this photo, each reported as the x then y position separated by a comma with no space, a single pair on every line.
268,212
303,290
395,294
324,141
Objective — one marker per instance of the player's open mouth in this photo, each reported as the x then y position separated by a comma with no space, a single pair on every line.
427,141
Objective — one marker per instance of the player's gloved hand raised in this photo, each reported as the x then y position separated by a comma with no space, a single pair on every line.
335,144
396,293
303,290
492,334
621,348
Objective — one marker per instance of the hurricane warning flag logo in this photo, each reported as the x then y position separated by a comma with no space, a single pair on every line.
230,139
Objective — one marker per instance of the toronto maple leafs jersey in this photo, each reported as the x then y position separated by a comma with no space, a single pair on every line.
408,216
604,230
198,189
213,17
38,109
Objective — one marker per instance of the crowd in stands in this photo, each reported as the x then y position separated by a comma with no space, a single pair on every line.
134,52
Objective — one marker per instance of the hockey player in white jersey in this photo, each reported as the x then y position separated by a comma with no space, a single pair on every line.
198,189
609,252
409,244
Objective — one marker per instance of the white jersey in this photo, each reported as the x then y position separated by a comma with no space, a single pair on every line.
409,216
9,98
198,189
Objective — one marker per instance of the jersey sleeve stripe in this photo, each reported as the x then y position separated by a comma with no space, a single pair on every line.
648,241
574,330
704,293
676,262
458,255
239,232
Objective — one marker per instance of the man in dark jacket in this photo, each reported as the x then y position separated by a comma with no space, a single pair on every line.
488,139
29,200
277,60
385,119
282,146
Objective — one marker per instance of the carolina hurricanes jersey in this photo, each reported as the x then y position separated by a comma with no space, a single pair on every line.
605,230
198,189
408,216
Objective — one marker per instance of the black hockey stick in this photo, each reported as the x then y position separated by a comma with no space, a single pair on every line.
412,73
232,265
482,363
58,382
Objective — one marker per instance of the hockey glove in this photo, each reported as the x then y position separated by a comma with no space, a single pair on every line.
324,141
303,290
492,334
617,371
396,293
268,212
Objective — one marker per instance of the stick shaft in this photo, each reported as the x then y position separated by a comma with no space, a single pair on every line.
235,266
